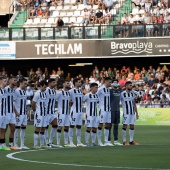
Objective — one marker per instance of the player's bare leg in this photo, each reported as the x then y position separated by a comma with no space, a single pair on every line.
99,134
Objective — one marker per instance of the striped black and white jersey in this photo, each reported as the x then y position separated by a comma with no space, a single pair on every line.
40,98
127,100
10,99
91,104
20,99
104,98
63,98
3,103
76,95
51,100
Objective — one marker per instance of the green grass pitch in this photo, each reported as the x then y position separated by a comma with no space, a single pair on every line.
152,153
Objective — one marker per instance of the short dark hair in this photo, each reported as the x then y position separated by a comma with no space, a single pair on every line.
76,80
115,80
128,82
63,81
107,78
51,80
93,85
22,80
42,83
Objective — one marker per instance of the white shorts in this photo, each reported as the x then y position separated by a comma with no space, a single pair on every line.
2,122
51,117
10,118
63,120
21,120
104,117
40,121
129,119
76,118
91,121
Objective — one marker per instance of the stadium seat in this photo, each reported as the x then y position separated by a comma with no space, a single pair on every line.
79,19
62,14
28,23
81,7
69,14
66,20
72,19
66,7
77,13
74,7
52,8
55,14
66,1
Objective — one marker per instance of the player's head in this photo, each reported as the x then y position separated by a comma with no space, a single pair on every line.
3,81
43,85
128,85
115,83
93,87
13,81
107,81
66,84
77,82
51,83
22,83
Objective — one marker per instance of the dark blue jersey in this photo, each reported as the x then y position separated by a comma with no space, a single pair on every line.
115,99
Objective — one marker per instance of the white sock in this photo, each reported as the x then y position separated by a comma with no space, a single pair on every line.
42,138
99,135
124,135
106,135
93,135
87,136
22,136
46,136
71,135
11,142
52,134
65,137
36,136
16,137
58,137
131,134
78,134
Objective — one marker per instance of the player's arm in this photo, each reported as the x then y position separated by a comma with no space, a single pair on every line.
137,115
34,101
15,96
85,97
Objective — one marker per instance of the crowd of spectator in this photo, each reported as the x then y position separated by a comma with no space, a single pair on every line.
151,86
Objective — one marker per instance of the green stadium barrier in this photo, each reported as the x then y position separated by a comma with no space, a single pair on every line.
152,116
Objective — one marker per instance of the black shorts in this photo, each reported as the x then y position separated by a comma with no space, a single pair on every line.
115,117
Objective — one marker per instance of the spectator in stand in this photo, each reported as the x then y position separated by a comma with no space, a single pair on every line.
100,4
44,4
92,17
131,19
156,103
86,86
152,81
59,23
60,72
19,76
86,17
107,17
108,4
164,100
99,17
32,12
47,12
40,12
122,81
68,78
124,19
160,19
147,5
147,18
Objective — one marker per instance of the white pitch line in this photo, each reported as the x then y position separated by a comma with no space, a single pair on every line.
75,165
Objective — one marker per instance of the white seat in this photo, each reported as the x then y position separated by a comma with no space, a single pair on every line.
69,13
55,14
65,20
66,1
66,7
77,13
62,14
74,7
43,21
50,20
80,6
113,11
79,19
73,19
72,1
52,8
37,20
95,7
59,7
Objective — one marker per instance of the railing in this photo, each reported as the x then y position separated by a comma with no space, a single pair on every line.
82,32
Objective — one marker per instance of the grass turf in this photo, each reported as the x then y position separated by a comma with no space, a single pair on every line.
152,153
